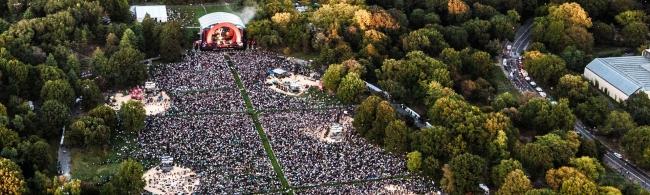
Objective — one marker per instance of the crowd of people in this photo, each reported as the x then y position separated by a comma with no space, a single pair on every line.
226,101
308,160
415,185
196,72
223,147
253,67
224,150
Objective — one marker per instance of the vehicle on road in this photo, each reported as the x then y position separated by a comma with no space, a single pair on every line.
533,84
619,156
539,89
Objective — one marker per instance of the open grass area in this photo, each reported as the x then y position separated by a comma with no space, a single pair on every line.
89,164
96,164
501,82
189,14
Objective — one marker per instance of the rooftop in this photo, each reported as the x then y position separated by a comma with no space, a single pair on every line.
158,12
219,17
627,74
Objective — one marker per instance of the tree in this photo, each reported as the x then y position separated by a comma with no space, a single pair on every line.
414,161
90,94
34,154
542,191
112,43
12,179
573,87
384,115
88,131
590,167
635,34
603,33
106,113
638,105
58,90
545,68
365,115
396,136
351,88
502,27
576,59
556,177
617,123
117,9
151,35
504,100
594,111
628,17
515,182
579,186
128,179
54,115
428,40
458,11
465,174
129,39
636,144
571,14
132,115
171,38
500,172
332,76
609,190
127,67
8,138
481,64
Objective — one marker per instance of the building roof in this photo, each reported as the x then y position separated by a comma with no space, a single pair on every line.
628,74
158,12
218,17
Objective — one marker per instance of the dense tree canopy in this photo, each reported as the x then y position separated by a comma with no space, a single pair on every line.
12,179
132,115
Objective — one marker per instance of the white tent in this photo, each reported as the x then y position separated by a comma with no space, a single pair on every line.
158,12
218,17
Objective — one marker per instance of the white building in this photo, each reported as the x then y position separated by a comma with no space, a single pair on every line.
620,77
158,12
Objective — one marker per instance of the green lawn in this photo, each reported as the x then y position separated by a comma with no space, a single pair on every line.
90,164
189,14
501,82
94,164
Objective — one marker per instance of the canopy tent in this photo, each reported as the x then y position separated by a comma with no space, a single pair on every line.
219,17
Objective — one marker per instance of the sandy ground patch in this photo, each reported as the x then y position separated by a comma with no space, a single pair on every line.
177,181
153,104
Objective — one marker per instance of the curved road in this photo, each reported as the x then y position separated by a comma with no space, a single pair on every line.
621,165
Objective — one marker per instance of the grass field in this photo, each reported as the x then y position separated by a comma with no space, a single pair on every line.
90,164
501,82
96,164
189,14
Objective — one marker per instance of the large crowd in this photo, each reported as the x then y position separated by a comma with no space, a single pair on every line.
222,146
197,72
308,160
415,185
224,150
253,67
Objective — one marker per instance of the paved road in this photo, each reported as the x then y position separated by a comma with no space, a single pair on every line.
63,157
625,168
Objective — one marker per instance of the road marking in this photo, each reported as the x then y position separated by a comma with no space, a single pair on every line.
623,167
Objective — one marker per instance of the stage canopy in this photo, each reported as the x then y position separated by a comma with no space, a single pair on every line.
219,17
